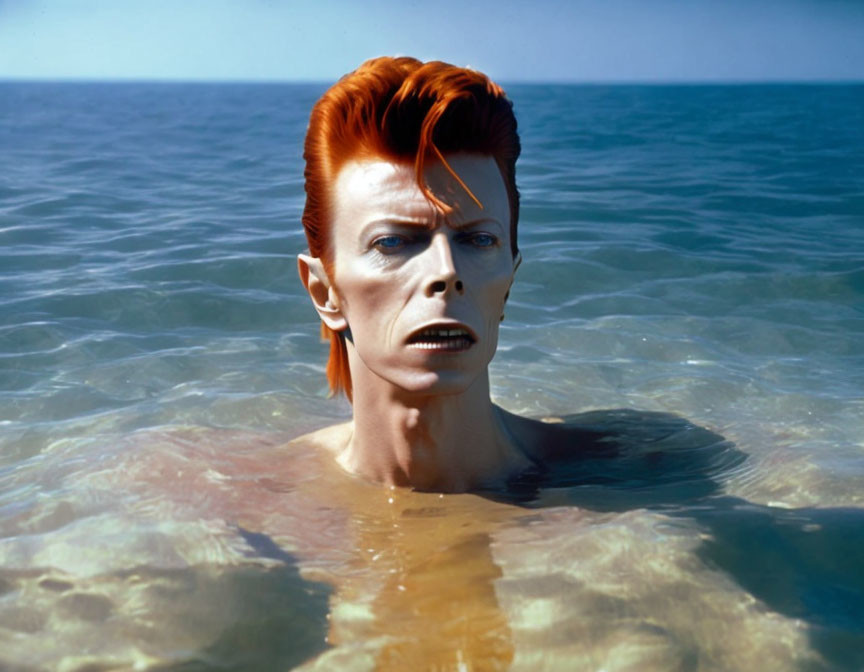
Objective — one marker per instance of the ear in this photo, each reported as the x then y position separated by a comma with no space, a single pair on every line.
323,296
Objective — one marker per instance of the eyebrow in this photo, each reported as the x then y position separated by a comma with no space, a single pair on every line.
424,223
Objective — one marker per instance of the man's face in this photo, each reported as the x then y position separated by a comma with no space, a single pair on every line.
422,290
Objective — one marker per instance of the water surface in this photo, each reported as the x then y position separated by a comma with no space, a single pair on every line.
692,297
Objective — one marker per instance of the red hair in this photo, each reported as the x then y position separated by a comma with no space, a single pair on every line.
404,110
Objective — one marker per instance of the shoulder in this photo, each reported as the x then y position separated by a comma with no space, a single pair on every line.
628,450
331,439
547,438
609,433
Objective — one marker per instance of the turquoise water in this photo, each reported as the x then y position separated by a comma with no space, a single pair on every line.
690,253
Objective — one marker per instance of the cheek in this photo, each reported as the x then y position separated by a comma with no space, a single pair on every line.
369,303
494,288
489,301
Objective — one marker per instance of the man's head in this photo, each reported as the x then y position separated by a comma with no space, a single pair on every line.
405,112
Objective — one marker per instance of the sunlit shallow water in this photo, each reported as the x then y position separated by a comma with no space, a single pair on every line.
692,297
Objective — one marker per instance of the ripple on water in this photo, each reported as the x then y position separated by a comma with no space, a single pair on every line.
692,251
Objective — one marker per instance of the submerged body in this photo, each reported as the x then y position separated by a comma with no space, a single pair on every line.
243,550
616,556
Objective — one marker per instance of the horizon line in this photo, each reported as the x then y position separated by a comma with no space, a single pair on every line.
6,79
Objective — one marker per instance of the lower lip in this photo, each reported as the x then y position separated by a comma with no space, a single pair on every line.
450,345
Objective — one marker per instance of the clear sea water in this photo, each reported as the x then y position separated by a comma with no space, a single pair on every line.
693,287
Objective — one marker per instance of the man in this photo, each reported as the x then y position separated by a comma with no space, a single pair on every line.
411,217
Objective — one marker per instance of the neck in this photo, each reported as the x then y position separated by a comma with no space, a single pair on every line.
445,443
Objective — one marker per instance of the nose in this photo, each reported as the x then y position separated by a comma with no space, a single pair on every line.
443,276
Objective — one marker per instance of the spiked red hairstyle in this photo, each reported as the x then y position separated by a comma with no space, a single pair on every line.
401,109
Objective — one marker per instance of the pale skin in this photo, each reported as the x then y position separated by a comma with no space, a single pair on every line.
401,267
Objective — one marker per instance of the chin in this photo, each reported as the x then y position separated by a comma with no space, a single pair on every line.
438,383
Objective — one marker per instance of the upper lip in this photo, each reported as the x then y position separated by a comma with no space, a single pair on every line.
443,325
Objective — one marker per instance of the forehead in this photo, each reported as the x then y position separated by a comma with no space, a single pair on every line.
374,189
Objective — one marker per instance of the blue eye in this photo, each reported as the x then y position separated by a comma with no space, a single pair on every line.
483,240
388,243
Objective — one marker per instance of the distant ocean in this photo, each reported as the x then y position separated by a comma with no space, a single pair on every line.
688,250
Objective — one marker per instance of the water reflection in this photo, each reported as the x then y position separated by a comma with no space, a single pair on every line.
418,592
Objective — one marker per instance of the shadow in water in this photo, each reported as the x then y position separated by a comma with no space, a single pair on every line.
621,459
277,619
803,563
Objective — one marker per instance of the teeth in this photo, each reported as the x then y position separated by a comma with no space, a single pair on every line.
443,333
442,338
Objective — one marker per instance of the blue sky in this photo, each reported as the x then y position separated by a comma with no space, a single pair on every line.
539,40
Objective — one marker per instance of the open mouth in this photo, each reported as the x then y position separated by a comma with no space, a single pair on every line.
445,339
